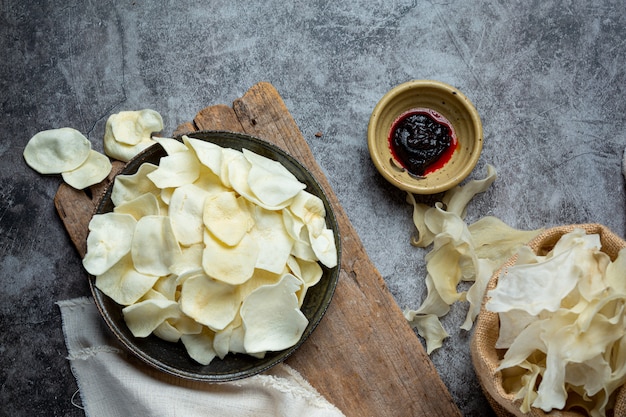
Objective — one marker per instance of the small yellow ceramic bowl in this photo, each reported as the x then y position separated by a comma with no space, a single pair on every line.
448,102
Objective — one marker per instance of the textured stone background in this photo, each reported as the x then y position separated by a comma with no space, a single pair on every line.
547,77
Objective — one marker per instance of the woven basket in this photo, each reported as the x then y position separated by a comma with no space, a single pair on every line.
485,357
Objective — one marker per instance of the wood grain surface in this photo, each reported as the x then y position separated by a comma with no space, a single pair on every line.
363,356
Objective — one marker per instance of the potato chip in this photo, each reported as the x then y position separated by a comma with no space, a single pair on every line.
154,247
222,339
171,146
127,187
209,154
325,248
272,238
562,346
133,127
270,181
57,150
109,240
189,260
227,217
460,252
209,302
310,209
145,205
200,346
176,170
95,169
185,211
129,132
145,316
123,283
231,264
277,325
209,245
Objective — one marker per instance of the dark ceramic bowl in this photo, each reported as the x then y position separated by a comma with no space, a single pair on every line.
171,357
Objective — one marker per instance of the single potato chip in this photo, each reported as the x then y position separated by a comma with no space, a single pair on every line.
274,241
154,247
95,169
325,248
144,205
145,316
209,154
130,186
310,209
176,170
231,264
129,132
270,181
227,217
170,145
57,150
200,346
109,240
186,206
123,283
277,325
209,302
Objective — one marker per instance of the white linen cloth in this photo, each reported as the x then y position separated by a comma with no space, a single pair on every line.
113,383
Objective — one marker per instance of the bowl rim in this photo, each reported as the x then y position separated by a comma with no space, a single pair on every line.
252,365
374,141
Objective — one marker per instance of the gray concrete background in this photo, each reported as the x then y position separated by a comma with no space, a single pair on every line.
547,77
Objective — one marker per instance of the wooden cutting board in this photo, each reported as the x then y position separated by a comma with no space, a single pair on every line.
363,356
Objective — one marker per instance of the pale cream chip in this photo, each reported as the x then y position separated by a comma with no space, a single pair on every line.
227,217
325,248
132,127
270,181
154,247
238,171
166,195
222,339
175,170
144,205
185,211
259,278
95,169
171,146
57,150
293,224
127,133
167,286
167,332
308,271
209,154
209,182
109,240
274,241
231,264
127,187
271,166
236,159
209,302
310,209
172,329
123,283
122,152
189,261
277,325
302,247
200,346
145,316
